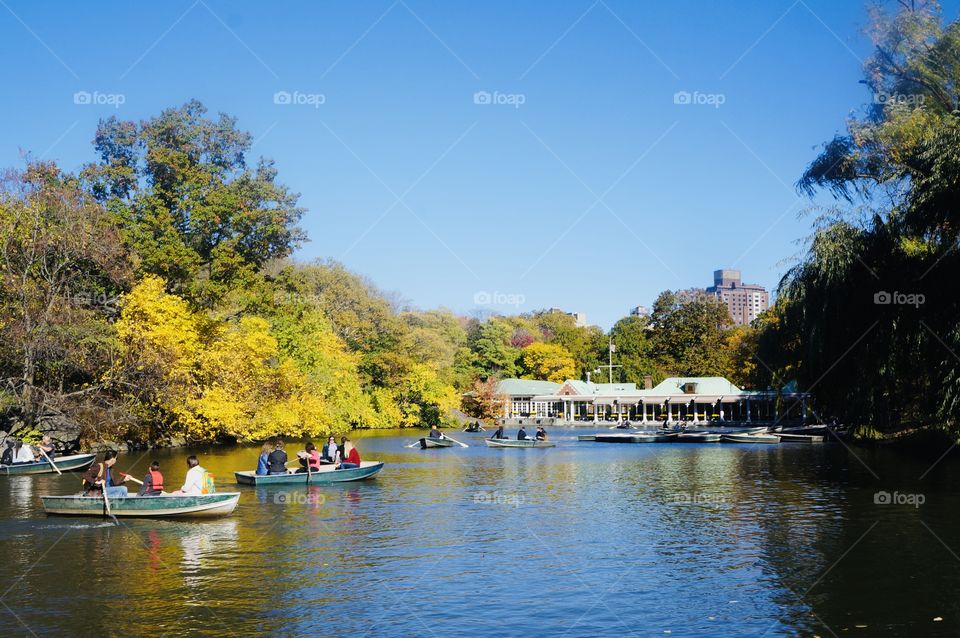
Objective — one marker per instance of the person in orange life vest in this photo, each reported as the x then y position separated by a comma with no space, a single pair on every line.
152,482
351,457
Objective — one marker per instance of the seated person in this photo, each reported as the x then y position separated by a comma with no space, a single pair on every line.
541,434
521,434
309,458
193,483
498,434
435,433
262,462
152,482
8,454
46,445
100,475
277,460
331,453
351,456
23,453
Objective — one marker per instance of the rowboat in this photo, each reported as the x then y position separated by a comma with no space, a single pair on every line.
750,438
163,506
74,462
325,475
586,437
637,437
432,441
698,437
516,443
800,438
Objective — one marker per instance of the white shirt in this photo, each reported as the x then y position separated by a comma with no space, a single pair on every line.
25,455
193,484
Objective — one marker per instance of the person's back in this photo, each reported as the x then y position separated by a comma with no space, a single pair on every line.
498,434
277,461
522,434
152,482
7,457
24,454
193,483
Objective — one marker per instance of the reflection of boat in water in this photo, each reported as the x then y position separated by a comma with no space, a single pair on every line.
698,437
72,463
204,541
325,474
162,506
800,438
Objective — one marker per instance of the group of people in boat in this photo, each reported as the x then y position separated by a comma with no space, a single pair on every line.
101,476
273,459
539,435
18,452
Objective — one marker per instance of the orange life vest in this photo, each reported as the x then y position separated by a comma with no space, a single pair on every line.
157,479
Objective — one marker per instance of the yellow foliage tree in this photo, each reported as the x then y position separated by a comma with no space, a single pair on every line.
548,362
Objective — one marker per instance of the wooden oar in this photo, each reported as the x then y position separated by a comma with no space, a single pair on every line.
455,441
106,501
49,460
414,444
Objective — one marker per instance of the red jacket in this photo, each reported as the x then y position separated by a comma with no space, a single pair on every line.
353,457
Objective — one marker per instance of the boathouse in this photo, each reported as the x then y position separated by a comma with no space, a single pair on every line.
675,400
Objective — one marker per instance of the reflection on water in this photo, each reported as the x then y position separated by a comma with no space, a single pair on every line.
585,538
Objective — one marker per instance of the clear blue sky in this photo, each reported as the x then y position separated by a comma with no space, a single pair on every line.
588,188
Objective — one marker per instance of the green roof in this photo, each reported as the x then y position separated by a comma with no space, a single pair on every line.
709,386
523,387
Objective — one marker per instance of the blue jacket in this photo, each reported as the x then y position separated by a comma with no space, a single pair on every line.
262,465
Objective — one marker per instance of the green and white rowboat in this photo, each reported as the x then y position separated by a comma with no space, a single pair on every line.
698,437
431,441
72,463
325,475
750,438
515,443
163,506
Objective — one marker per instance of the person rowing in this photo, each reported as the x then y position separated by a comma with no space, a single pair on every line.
435,433
46,446
309,459
101,475
541,434
498,434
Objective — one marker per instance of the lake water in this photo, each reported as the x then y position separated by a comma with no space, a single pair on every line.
585,539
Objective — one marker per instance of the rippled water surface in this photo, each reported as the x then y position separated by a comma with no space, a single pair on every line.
584,539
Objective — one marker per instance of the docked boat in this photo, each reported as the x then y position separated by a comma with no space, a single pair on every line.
325,475
586,437
637,437
787,437
432,441
72,463
163,506
698,437
750,438
516,443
